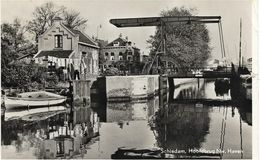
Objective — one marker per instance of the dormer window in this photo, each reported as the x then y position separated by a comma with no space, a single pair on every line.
58,41
116,44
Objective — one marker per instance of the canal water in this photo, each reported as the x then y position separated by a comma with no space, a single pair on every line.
195,120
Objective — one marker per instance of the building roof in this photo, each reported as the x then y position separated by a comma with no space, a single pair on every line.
122,42
83,37
55,53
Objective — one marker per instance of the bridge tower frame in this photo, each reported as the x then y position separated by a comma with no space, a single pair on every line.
162,21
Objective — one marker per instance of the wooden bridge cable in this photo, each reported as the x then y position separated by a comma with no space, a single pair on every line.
154,59
222,43
149,65
223,130
221,40
161,48
223,142
240,45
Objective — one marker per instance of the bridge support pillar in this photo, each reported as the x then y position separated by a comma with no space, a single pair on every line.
234,87
171,88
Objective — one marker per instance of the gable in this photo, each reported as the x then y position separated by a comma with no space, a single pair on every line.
58,28
47,42
119,41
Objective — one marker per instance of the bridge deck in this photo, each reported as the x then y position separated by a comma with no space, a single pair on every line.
204,74
199,75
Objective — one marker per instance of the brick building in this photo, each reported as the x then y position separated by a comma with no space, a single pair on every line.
69,50
119,53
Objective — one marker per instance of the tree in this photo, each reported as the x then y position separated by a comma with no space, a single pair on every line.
73,20
43,17
187,44
14,43
16,74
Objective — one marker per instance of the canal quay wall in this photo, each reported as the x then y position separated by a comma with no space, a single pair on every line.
125,88
81,91
128,88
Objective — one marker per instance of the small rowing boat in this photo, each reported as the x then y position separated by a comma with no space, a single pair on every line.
33,99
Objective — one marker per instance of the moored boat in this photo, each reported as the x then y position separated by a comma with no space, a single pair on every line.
246,86
33,99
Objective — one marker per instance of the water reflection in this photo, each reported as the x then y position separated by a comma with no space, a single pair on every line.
190,89
118,112
60,134
222,87
182,126
139,130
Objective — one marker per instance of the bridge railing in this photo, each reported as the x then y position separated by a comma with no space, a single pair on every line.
222,71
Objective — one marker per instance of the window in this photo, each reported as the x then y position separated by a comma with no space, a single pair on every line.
106,56
58,41
84,54
112,57
60,148
130,53
120,57
129,58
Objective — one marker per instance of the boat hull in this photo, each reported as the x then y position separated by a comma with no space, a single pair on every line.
12,103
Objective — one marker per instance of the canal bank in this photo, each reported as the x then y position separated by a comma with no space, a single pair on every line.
126,88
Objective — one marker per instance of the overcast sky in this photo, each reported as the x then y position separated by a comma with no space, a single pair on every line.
98,12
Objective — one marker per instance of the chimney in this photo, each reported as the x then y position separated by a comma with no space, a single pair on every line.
120,35
57,20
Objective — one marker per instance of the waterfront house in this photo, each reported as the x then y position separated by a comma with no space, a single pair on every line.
120,53
68,50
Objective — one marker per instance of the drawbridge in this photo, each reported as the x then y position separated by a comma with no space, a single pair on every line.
154,66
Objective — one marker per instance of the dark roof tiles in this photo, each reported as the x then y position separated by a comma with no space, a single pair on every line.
83,38
55,53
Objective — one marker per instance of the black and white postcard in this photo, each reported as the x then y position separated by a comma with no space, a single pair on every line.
129,79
